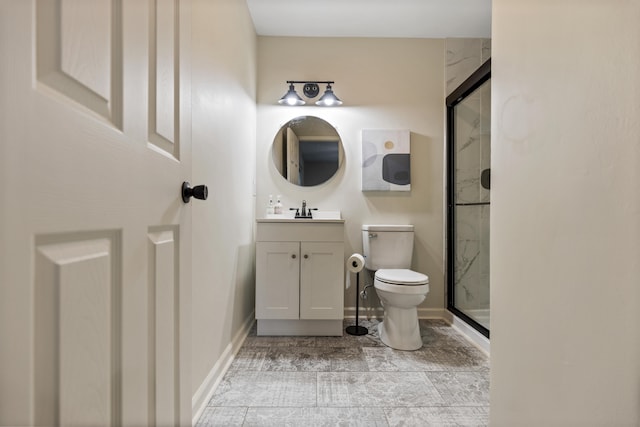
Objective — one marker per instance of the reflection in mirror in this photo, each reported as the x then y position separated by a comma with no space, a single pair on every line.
307,151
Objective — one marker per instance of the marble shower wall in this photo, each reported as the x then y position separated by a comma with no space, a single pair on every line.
473,154
464,56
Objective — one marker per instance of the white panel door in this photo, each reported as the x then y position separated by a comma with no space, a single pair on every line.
277,280
95,239
293,157
321,279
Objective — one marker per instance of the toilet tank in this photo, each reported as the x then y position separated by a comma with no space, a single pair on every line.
387,246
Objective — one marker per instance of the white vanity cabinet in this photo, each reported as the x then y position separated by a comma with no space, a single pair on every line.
300,277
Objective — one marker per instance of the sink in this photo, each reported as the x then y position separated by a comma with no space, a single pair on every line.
325,214
285,215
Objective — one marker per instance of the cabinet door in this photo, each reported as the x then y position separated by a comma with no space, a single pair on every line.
277,280
321,280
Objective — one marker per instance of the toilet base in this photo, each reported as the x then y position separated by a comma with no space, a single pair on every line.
400,328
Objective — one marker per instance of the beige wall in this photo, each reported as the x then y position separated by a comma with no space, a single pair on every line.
385,84
224,55
565,214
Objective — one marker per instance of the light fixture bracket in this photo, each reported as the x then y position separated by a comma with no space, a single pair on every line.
311,90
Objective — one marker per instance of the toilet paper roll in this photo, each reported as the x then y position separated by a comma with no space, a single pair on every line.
355,263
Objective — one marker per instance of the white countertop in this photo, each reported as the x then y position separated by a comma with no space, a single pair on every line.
300,220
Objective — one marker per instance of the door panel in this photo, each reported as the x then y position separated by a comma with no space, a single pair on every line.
79,53
77,333
163,324
95,239
277,280
293,157
164,87
321,279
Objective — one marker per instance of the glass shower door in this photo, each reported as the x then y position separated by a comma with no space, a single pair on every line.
469,176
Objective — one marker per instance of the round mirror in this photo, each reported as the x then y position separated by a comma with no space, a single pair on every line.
307,151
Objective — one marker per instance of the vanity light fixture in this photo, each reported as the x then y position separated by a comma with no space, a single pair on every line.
310,90
291,97
329,98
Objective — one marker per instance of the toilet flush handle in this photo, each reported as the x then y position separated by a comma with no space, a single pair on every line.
373,235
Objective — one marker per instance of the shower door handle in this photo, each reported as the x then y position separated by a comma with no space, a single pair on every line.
485,179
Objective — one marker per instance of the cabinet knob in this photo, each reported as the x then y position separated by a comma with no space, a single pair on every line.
306,256
293,256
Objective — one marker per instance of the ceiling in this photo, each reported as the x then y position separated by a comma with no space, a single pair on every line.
372,18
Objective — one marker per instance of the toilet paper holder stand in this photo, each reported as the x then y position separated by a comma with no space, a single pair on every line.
357,329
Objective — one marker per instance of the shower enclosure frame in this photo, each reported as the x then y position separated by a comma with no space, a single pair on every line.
473,82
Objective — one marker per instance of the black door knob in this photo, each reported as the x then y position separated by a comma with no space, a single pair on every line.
199,192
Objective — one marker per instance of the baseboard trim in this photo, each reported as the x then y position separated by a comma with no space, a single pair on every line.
431,313
468,332
202,396
378,313
364,313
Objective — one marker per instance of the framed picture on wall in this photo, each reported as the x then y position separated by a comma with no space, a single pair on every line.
386,160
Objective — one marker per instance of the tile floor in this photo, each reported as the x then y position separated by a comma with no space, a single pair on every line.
353,381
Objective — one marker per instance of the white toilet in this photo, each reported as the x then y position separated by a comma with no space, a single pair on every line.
388,250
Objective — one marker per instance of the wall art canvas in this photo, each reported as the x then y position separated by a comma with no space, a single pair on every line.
386,160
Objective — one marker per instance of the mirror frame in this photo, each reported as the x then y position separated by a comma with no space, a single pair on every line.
295,130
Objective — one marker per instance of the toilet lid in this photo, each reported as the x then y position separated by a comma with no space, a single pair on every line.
402,277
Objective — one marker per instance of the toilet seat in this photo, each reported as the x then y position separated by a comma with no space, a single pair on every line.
401,281
401,277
